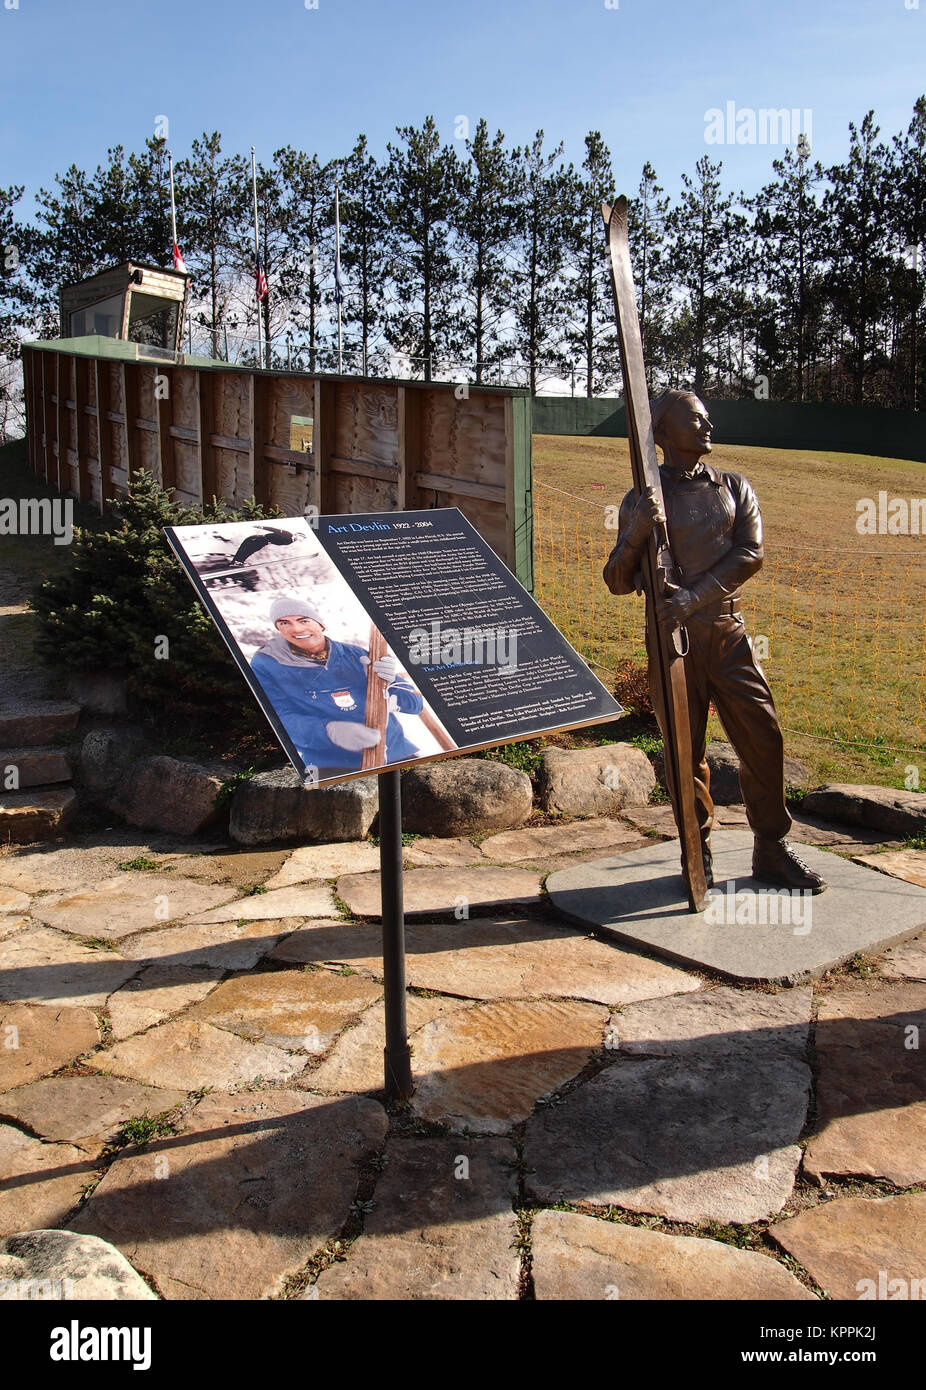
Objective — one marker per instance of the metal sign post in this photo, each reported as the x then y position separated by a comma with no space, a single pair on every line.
396,1054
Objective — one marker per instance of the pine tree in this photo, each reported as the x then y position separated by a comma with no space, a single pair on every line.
908,218
539,307
700,235
485,228
305,251
364,227
213,211
423,179
65,246
593,332
647,217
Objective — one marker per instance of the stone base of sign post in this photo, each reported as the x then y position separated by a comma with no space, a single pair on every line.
748,932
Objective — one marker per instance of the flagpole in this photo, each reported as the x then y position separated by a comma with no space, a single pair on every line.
173,207
337,233
260,346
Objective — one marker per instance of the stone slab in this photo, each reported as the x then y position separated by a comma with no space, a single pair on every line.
442,890
257,1184
126,903
44,967
35,814
325,861
188,1055
224,946
541,840
691,1137
431,851
298,1009
907,961
40,1184
442,1227
355,1065
811,830
243,869
35,722
483,1069
69,867
856,1248
160,991
294,901
871,1086
11,900
35,767
38,1039
908,864
12,926
84,1110
583,1258
638,898
71,1266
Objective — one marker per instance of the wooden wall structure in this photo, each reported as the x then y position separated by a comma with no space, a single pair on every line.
94,417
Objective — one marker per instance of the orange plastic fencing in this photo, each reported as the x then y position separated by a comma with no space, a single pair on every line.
841,635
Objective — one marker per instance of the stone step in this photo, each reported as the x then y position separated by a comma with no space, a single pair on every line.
28,816
32,767
35,722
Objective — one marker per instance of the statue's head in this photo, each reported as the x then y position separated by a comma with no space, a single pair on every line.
681,425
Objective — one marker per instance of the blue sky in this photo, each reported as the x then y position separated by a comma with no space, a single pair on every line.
80,75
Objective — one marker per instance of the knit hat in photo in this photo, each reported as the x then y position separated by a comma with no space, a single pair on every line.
294,608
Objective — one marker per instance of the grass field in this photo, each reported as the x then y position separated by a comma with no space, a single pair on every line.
843,615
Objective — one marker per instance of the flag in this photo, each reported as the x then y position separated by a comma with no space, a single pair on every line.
260,281
178,260
338,279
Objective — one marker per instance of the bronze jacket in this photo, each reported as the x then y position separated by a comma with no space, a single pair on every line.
715,531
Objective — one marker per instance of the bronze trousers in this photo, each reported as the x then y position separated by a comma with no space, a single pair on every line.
720,666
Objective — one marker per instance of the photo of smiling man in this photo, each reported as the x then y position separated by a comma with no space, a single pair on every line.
318,688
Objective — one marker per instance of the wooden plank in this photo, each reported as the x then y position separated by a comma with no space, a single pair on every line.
185,432
82,395
206,448
229,441
262,411
322,443
511,558
405,444
133,460
58,475
364,468
461,487
296,458
104,433
29,391
47,367
164,398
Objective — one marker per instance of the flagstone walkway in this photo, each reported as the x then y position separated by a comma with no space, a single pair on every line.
191,1069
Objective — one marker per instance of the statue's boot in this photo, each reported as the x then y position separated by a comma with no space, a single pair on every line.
774,862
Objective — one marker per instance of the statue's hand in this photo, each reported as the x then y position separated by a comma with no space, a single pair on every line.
675,605
646,514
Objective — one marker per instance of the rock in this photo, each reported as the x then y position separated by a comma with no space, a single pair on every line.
71,1266
127,903
43,967
356,1061
11,900
84,1110
432,852
45,869
10,926
40,1184
189,1055
33,767
702,1124
106,756
168,794
907,961
289,1008
38,1039
241,868
724,768
158,992
483,1069
658,819
582,1258
442,890
257,1184
860,1247
298,900
34,722
33,815
223,946
463,795
276,806
908,864
900,813
442,1227
692,1140
337,943
100,692
543,840
871,1088
598,781
325,861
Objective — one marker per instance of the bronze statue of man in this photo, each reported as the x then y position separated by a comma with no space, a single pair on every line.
715,532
